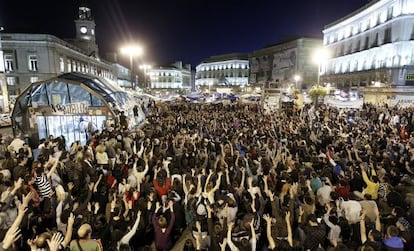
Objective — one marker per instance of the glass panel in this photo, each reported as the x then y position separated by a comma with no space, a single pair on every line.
58,93
96,101
99,87
73,128
41,126
79,95
39,96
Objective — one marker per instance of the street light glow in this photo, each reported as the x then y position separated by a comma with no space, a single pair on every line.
132,50
145,67
296,78
320,56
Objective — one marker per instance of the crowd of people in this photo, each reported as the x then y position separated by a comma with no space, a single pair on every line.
232,175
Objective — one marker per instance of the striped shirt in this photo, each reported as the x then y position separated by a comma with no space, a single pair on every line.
43,186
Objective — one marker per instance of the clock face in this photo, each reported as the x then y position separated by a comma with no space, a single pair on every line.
83,30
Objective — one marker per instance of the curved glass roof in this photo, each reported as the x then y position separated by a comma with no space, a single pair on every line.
73,88
76,88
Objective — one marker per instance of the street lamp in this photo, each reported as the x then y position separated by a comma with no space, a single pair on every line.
296,78
320,57
132,51
145,68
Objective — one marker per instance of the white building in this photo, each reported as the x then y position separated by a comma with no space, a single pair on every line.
372,46
175,77
223,70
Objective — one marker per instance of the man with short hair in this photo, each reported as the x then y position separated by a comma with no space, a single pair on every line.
85,242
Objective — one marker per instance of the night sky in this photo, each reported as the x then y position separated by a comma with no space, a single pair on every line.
186,30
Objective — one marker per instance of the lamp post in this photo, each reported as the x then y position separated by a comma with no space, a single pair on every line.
145,68
296,78
132,51
320,56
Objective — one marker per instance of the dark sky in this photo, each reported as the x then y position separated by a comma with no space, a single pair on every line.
186,30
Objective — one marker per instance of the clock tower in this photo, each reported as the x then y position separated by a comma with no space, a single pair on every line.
85,30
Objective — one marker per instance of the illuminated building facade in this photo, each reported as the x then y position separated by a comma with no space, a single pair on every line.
277,65
170,78
371,47
223,70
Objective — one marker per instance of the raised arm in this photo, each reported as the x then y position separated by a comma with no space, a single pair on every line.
229,240
199,189
69,230
125,239
22,210
289,228
362,228
218,181
377,220
253,240
54,162
268,219
208,181
141,150
95,187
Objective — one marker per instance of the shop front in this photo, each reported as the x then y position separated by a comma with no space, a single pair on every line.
72,105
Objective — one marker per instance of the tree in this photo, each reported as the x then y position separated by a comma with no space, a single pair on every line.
316,92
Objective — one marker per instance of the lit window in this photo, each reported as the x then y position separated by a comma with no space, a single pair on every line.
11,80
8,63
93,32
69,64
374,20
62,64
383,17
331,39
33,63
347,31
340,35
364,26
34,79
355,30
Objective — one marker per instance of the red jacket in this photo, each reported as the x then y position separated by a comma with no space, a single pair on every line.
162,190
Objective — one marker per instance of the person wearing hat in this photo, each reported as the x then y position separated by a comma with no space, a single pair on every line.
85,242
405,233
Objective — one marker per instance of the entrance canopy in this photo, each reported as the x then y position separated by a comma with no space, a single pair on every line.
73,105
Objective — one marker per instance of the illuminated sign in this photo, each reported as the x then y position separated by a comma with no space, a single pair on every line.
409,77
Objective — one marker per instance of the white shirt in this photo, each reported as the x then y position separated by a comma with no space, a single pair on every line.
324,195
351,209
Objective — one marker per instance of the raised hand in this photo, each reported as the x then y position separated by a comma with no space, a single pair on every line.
26,199
223,244
287,216
12,235
55,241
71,219
267,218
